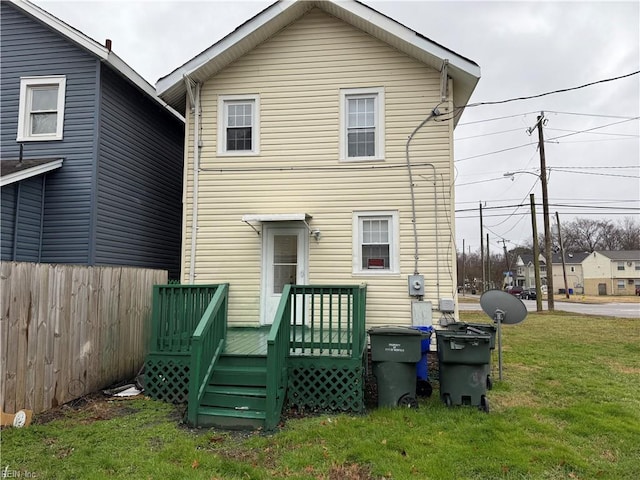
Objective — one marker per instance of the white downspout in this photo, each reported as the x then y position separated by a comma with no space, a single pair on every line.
196,170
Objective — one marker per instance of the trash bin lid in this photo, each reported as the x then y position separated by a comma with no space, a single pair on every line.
394,330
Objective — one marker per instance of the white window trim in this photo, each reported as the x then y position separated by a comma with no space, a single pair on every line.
24,134
378,92
222,129
394,247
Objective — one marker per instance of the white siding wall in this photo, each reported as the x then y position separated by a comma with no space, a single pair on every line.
298,75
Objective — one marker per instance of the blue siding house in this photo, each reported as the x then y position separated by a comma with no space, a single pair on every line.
91,159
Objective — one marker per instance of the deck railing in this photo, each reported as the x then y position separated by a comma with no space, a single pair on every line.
312,320
207,344
277,353
177,309
328,319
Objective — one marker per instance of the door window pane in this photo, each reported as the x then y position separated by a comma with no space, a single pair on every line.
285,261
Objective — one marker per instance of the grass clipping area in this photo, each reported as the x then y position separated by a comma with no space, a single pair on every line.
568,408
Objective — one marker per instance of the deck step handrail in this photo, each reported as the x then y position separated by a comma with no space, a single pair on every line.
207,344
312,319
277,353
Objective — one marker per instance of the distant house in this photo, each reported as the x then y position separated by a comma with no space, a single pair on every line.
573,269
301,174
91,163
611,272
525,274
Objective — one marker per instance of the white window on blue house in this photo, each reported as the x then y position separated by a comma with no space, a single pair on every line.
238,124
375,242
41,108
362,124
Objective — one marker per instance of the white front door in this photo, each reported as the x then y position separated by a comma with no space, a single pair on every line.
284,261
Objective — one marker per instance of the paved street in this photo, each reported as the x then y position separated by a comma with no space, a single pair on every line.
623,310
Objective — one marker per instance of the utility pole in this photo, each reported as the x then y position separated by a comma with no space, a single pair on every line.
464,278
545,214
506,257
536,253
564,267
488,262
482,252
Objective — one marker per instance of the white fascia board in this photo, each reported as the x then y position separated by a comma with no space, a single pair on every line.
176,77
30,172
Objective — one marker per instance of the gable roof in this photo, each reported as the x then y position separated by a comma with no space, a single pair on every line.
12,171
569,257
626,255
86,43
280,14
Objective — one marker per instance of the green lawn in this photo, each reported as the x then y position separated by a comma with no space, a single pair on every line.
568,407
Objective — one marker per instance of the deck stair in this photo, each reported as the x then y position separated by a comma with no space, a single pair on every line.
236,394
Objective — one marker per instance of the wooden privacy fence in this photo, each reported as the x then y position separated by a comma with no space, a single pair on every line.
68,330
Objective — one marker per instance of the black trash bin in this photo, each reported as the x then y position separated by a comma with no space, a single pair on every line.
394,354
463,359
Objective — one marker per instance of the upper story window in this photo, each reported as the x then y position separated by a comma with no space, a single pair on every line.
238,124
375,242
637,265
361,124
41,108
620,265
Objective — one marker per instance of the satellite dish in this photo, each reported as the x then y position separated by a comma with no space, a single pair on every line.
497,302
502,307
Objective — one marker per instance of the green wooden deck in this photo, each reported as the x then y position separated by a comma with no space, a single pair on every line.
253,341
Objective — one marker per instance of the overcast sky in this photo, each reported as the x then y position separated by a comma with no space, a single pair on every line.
523,48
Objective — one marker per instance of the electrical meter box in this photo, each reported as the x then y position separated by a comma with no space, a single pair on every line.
416,285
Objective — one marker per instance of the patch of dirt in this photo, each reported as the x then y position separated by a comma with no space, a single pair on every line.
90,408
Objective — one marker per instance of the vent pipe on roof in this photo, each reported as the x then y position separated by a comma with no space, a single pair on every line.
107,44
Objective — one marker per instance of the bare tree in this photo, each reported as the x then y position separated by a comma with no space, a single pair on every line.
629,234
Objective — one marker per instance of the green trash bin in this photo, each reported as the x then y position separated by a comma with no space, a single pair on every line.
486,328
463,359
394,354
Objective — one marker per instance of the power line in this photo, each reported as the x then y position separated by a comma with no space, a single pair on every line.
496,118
561,90
564,205
596,133
546,140
595,174
594,128
586,114
489,134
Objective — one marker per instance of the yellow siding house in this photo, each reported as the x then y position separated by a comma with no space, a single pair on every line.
320,151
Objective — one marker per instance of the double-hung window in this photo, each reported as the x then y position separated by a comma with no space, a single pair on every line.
41,108
238,124
375,242
362,124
